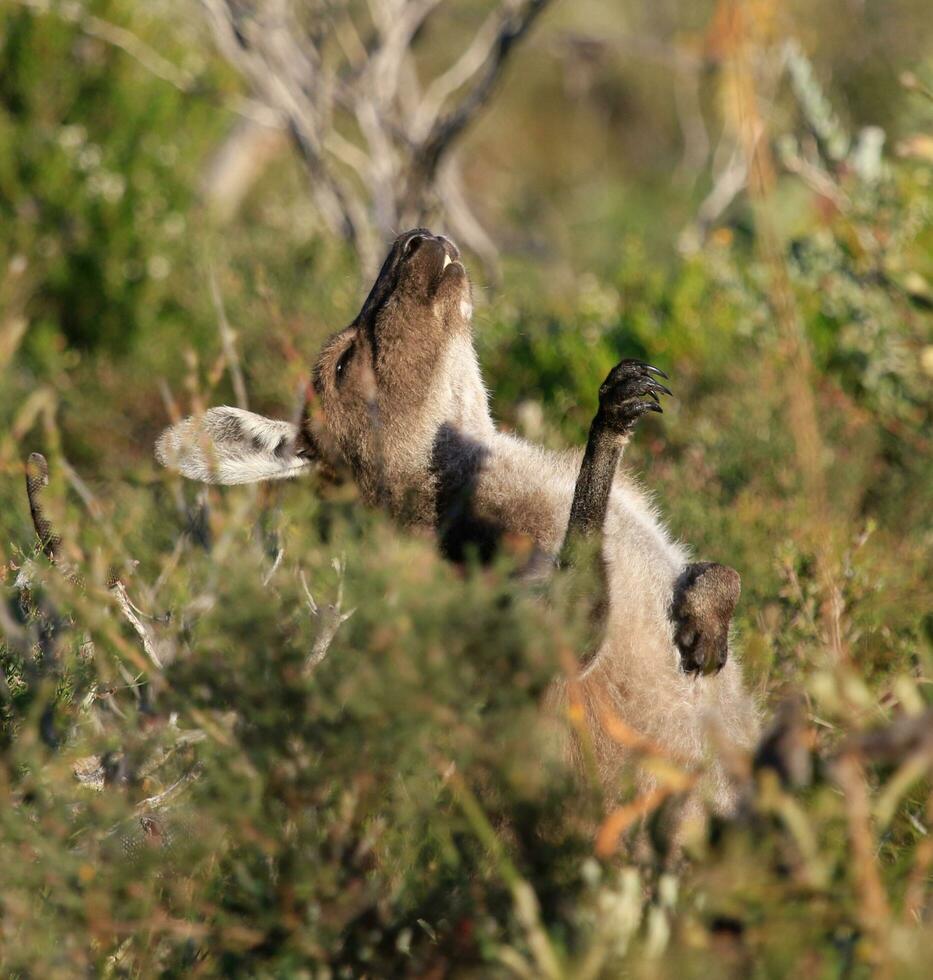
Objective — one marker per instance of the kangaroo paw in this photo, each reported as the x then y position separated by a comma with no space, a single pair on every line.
630,390
705,597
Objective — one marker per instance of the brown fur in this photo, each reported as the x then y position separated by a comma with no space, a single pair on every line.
399,400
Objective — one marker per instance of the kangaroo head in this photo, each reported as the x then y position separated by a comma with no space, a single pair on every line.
383,388
406,366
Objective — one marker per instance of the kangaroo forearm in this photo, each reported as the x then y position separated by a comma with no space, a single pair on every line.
630,390
594,485
582,550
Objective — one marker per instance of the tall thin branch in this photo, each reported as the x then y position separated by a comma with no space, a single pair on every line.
330,618
451,126
227,342
371,137
37,479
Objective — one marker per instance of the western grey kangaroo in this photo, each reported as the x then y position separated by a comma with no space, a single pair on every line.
399,400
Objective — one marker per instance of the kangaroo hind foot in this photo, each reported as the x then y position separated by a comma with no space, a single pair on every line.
705,598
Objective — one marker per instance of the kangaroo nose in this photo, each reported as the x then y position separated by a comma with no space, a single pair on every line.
449,247
415,241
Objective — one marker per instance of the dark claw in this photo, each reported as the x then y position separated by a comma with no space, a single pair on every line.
638,386
657,386
650,368
637,408
640,366
630,391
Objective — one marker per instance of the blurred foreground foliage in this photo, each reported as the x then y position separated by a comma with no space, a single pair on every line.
397,810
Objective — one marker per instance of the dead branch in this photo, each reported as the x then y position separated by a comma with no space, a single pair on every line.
459,73
162,800
144,54
37,479
464,225
728,182
155,649
330,618
227,338
117,37
373,140
238,163
448,128
287,77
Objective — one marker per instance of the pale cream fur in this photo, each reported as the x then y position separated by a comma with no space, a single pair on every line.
636,673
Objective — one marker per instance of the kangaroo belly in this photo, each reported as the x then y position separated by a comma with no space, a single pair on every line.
635,682
635,685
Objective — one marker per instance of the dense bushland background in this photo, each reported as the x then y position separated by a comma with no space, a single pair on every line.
739,191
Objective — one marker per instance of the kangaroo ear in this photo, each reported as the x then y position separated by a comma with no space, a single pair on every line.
229,445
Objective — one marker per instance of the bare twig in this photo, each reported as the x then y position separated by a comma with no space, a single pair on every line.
286,76
227,338
118,37
330,618
463,223
447,128
728,183
917,894
145,55
155,650
37,479
276,562
812,174
459,73
372,141
239,160
189,737
161,800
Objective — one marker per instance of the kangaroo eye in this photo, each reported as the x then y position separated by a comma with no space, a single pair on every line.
342,363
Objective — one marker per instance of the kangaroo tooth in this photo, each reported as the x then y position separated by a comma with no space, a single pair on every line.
447,261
